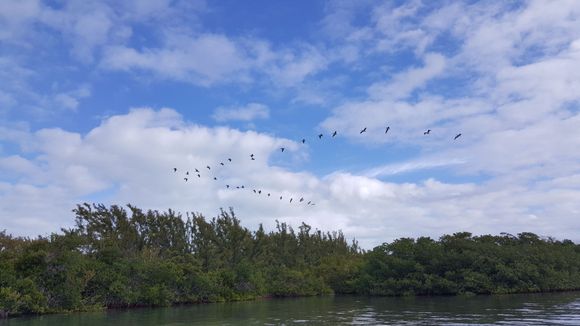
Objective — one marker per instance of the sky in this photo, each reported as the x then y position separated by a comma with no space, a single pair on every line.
101,100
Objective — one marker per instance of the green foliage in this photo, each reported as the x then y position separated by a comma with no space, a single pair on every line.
463,264
117,257
24,298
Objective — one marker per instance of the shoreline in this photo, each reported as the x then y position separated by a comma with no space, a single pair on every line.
280,298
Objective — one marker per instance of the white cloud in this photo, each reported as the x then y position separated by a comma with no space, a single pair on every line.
403,84
516,104
512,91
512,78
203,60
405,167
293,68
130,159
209,59
408,120
70,100
14,14
249,112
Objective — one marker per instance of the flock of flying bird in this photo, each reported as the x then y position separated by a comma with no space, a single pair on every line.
196,172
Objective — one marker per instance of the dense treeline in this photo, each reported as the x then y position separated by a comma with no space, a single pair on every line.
117,257
463,264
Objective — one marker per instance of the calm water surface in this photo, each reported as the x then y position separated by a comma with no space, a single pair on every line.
530,309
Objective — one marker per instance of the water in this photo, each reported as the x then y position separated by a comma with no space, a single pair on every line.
528,309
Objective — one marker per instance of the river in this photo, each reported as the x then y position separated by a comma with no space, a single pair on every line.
521,309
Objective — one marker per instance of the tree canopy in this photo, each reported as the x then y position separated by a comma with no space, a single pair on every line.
123,256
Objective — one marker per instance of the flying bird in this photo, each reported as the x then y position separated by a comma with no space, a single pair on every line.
229,159
238,187
282,149
268,194
387,130
174,169
221,163
243,187
254,190
458,135
228,186
199,175
427,132
214,178
308,203
196,170
208,167
303,140
280,197
185,179
334,134
259,192
363,130
320,136
253,159
301,199
187,173
291,199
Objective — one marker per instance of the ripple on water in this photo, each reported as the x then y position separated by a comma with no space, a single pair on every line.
546,309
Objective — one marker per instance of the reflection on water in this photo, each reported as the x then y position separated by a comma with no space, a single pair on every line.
529,309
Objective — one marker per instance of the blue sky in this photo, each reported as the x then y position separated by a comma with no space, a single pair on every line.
100,100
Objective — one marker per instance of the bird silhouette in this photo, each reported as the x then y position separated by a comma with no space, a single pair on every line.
214,178
282,149
253,159
174,169
208,167
291,199
254,190
259,192
187,173
229,159
334,134
268,194
458,135
238,187
251,155
301,199
221,163
303,140
199,175
196,170
363,130
427,132
243,187
387,130
185,179
320,136
280,197
228,186
308,203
